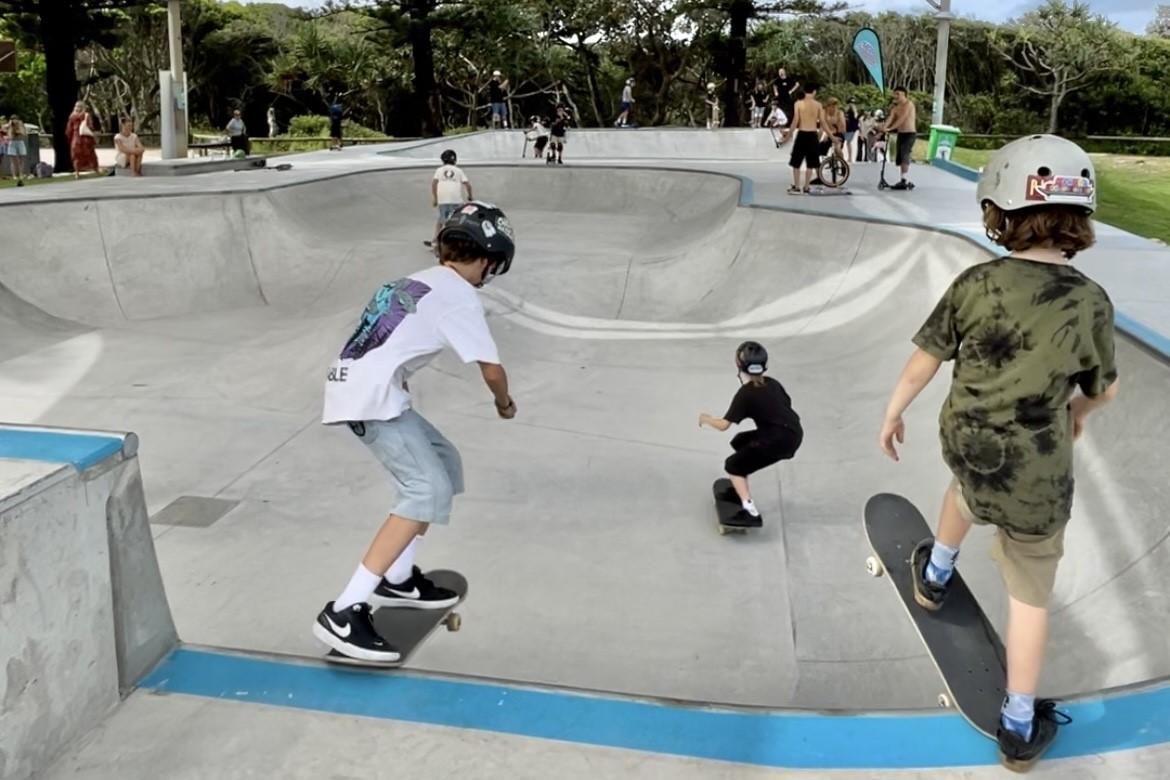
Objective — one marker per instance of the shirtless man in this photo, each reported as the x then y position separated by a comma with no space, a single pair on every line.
833,128
903,122
807,120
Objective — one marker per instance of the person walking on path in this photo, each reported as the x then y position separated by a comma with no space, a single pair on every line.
79,129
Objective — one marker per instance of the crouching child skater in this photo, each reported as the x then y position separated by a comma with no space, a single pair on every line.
778,433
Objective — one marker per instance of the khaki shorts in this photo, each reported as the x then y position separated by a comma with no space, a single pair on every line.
1027,562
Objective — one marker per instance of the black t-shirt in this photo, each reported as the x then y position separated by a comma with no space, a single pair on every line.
852,121
783,87
495,92
559,126
768,406
760,97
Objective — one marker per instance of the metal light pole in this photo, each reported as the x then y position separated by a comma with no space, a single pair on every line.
173,90
944,16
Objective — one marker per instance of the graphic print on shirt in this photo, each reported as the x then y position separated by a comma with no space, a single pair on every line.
386,310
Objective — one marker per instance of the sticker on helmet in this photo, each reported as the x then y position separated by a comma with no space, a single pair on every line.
1060,189
470,208
488,228
505,227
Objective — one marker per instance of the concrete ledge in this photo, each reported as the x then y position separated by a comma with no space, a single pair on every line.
194,165
962,171
83,612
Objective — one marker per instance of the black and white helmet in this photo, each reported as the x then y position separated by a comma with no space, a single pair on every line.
448,157
1039,170
751,357
485,225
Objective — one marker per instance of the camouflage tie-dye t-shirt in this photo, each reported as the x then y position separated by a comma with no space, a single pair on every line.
1024,335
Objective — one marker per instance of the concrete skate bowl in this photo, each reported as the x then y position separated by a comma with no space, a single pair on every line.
588,144
629,291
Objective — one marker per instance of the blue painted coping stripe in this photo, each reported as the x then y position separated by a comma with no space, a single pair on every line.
82,450
785,739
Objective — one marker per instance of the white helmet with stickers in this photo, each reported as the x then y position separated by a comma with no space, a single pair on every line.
1039,170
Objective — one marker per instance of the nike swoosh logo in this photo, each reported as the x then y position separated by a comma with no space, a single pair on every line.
413,594
338,629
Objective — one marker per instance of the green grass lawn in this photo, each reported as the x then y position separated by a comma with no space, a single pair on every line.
6,183
1134,192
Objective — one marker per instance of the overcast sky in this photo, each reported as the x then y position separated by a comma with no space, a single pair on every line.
1132,15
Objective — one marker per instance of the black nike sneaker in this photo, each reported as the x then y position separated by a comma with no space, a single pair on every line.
1019,755
416,593
351,632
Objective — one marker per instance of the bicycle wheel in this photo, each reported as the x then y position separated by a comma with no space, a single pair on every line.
834,171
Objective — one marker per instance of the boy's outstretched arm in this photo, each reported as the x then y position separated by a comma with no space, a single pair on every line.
718,423
919,370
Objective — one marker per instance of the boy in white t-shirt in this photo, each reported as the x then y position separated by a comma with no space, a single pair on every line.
627,103
447,192
406,324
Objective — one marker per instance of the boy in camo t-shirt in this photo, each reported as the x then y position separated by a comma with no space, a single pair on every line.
1025,331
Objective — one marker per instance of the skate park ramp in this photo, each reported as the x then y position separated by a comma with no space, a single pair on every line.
587,531
658,143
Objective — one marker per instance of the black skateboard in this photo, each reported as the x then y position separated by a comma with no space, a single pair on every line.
733,518
960,639
406,628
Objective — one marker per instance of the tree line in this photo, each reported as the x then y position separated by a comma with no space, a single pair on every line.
421,67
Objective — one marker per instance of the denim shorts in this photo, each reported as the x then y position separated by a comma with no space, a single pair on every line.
447,210
425,468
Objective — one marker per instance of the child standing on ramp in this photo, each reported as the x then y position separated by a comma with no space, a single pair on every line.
778,434
406,324
1025,331
450,189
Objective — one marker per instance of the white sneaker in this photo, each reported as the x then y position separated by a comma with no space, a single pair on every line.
750,508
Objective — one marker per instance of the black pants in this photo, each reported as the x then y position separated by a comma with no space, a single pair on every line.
754,453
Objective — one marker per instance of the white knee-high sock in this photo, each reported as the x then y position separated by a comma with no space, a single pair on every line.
400,571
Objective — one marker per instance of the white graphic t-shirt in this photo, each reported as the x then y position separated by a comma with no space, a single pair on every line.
450,179
406,324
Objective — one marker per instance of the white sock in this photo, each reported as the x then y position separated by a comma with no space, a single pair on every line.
361,587
750,506
400,571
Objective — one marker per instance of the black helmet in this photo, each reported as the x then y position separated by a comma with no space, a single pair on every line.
448,157
751,357
486,226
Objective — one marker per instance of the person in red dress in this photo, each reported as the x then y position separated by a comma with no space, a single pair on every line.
82,141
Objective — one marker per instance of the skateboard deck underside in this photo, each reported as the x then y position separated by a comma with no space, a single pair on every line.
962,642
731,514
406,628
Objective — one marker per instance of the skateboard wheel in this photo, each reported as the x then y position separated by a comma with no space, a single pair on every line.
722,530
944,701
873,566
453,621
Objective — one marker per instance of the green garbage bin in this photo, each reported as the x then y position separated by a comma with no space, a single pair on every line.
943,140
